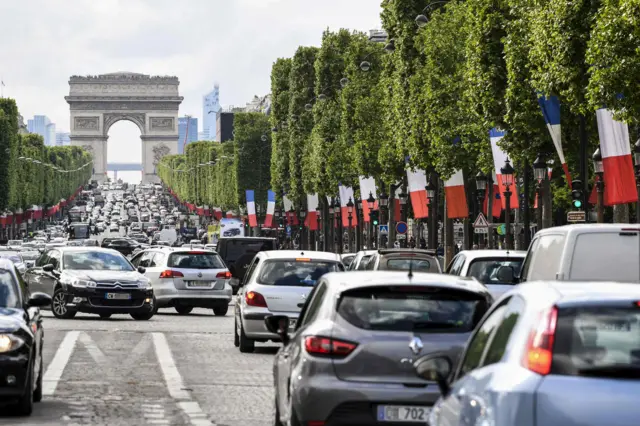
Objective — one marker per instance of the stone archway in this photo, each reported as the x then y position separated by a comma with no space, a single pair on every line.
98,102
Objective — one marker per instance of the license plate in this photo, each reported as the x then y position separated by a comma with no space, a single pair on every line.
199,284
403,413
292,323
117,296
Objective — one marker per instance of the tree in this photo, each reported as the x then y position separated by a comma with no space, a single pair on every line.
252,155
279,119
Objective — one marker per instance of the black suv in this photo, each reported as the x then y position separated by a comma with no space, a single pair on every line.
238,252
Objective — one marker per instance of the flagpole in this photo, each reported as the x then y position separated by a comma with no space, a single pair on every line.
1,88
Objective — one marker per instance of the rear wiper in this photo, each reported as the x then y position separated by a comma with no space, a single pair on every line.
618,371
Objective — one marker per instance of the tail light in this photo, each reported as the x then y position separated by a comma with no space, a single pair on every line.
254,298
171,274
325,346
226,275
539,351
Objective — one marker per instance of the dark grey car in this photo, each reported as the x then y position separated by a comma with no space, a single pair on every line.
350,358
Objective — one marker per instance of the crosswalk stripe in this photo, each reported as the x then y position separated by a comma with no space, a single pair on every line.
56,367
98,356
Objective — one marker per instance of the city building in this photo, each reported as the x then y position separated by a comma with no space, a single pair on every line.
378,36
224,125
41,125
204,136
22,128
259,104
187,132
63,139
210,110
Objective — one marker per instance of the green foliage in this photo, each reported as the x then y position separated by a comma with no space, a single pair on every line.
252,155
615,59
279,118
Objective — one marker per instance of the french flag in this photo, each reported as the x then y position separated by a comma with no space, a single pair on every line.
271,208
456,196
550,107
367,187
416,183
346,194
619,178
292,218
311,221
497,206
499,158
251,209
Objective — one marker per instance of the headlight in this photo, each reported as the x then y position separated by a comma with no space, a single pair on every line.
144,284
83,283
9,342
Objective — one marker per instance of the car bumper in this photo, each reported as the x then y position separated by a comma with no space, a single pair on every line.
194,298
13,374
255,328
96,301
353,403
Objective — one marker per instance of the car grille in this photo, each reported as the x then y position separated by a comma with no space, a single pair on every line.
133,303
116,284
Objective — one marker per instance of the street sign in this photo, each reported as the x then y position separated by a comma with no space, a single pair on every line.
401,227
401,237
480,230
576,216
383,229
288,230
481,222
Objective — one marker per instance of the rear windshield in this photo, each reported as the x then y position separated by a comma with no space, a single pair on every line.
598,342
416,263
414,308
486,270
283,272
195,261
238,248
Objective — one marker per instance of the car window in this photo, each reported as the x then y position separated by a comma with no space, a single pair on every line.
54,258
235,249
416,264
545,262
478,343
486,270
498,345
158,260
8,290
251,269
526,264
371,264
24,287
146,259
363,263
136,259
195,260
456,265
96,260
615,260
295,272
313,308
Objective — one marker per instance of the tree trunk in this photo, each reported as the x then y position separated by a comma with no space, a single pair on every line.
621,213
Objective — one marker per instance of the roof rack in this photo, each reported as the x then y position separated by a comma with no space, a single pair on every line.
406,250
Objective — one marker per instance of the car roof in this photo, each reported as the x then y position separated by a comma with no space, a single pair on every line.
294,254
576,292
354,279
588,228
66,249
385,251
482,254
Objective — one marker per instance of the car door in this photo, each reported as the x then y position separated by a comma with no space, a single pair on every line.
48,279
34,322
32,275
156,261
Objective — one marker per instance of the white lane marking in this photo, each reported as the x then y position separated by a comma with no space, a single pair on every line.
175,384
98,356
60,359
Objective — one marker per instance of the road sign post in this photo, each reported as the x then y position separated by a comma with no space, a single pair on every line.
401,227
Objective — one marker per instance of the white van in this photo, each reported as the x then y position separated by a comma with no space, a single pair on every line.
585,252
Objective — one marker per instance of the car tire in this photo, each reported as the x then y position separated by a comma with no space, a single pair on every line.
245,344
236,336
105,316
24,406
221,311
142,316
184,310
58,305
37,393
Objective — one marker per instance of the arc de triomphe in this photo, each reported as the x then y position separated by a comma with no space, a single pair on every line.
97,102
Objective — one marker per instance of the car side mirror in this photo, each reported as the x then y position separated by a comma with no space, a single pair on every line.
435,368
278,324
506,275
48,267
142,269
39,300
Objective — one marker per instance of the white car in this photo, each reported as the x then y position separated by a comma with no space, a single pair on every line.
277,282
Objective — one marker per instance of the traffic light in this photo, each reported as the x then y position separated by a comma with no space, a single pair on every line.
374,216
577,194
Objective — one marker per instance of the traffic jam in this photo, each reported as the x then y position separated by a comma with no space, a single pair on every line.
389,336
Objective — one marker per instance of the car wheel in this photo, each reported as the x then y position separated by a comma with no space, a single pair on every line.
142,316
105,316
24,406
236,337
221,311
59,305
37,393
246,345
184,310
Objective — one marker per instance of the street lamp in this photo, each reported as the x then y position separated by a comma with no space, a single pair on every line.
365,66
344,81
599,170
431,190
390,46
422,20
371,202
403,198
481,182
350,217
540,174
337,213
506,174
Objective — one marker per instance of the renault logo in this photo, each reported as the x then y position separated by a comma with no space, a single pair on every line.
416,345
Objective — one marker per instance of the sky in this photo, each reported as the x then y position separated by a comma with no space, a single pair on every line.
232,42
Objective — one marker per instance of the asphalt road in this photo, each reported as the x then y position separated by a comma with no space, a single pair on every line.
170,370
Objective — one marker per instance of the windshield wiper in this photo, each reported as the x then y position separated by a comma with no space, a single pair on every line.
618,371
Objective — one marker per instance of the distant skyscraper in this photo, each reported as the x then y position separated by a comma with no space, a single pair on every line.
203,136
191,135
63,139
41,125
210,110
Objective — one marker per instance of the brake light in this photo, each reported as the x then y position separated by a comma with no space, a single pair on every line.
224,275
196,252
303,259
254,298
325,346
539,351
171,274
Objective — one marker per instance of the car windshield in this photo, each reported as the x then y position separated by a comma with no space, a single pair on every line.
14,257
8,290
95,260
294,272
486,270
195,260
412,308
